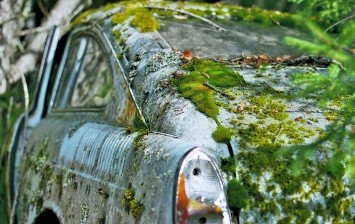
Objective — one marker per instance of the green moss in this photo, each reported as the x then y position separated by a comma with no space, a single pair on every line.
162,13
116,34
128,196
131,205
237,196
142,18
58,180
137,142
47,173
110,6
262,16
228,165
222,134
266,106
285,220
197,12
199,86
145,21
193,85
41,159
136,208
331,115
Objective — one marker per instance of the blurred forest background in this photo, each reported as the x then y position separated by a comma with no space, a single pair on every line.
24,25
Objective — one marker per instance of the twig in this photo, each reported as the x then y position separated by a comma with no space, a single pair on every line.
278,133
189,14
39,29
42,8
263,53
242,82
337,23
26,95
217,90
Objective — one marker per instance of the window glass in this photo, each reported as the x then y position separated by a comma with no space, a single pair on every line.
87,79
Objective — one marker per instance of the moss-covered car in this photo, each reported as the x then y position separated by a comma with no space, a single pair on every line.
140,106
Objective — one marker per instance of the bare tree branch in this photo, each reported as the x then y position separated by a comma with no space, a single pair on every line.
181,11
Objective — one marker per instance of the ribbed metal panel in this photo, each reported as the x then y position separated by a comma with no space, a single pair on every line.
97,149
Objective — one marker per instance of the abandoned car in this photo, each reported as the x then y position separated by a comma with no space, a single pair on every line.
138,110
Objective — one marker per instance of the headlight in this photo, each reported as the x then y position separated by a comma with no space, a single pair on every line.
200,197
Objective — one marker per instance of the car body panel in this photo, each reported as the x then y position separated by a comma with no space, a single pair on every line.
93,165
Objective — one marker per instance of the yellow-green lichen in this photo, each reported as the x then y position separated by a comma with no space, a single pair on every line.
141,128
142,18
133,206
83,17
116,34
278,184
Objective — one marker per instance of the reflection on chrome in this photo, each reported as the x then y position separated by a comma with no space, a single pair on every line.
200,194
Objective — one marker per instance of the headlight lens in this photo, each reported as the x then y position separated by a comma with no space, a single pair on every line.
200,197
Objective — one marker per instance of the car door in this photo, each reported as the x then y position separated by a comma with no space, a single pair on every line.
27,121
83,132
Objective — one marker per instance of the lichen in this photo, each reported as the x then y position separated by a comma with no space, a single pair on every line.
58,180
140,127
142,19
133,206
84,213
83,17
162,59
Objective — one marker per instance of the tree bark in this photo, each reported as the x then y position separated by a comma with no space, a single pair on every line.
21,43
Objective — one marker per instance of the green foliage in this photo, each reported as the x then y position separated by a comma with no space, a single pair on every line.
337,87
328,11
237,196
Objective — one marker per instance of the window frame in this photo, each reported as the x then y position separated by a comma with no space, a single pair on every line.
57,104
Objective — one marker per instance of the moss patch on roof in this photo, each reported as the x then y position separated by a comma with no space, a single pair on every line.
200,85
287,187
145,19
222,12
142,18
194,86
